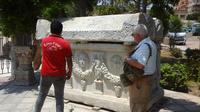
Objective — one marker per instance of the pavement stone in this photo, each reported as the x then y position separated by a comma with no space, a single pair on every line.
22,99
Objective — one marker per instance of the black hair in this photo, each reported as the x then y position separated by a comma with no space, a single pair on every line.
56,27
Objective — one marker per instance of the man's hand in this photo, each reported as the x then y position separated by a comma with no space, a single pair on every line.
37,58
68,77
126,59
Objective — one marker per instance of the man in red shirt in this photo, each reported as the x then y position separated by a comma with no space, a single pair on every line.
55,53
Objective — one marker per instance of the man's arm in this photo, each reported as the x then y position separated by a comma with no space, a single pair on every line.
143,54
69,64
134,63
38,57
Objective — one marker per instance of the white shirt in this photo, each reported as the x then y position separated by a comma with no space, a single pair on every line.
142,55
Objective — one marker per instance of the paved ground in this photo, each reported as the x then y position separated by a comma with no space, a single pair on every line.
22,98
193,42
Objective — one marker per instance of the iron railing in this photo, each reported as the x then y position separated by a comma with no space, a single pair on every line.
5,62
5,66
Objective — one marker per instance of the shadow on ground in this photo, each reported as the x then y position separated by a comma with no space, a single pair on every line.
17,89
175,105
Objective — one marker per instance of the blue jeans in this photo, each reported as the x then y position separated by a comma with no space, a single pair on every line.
45,84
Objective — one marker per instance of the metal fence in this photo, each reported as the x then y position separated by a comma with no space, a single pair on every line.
5,66
5,62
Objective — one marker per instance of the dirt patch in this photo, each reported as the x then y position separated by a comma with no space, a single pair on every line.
193,88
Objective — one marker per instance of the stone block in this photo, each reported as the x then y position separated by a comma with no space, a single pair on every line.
24,78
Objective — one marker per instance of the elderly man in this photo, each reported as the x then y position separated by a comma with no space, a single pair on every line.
143,57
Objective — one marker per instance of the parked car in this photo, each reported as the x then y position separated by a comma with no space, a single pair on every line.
186,29
178,37
196,29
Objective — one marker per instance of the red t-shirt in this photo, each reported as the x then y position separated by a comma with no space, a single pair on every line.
54,52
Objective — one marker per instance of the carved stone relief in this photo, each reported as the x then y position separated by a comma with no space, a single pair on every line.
24,72
80,63
115,80
97,59
84,70
25,58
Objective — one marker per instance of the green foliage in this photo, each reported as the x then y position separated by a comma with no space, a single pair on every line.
174,76
162,9
19,16
131,8
16,17
117,7
193,54
71,10
54,10
174,24
194,16
106,10
194,68
176,52
161,14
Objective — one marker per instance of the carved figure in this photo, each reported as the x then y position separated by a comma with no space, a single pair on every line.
25,58
98,76
80,70
113,79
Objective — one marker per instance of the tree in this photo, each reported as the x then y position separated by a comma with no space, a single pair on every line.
17,21
114,7
194,16
18,18
162,9
138,4
55,9
76,8
174,24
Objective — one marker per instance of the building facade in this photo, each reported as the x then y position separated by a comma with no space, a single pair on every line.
193,6
182,9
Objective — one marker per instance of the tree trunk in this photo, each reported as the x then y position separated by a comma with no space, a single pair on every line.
23,40
137,2
144,6
82,7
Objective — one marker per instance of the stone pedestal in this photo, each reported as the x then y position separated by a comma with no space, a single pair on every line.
24,74
24,77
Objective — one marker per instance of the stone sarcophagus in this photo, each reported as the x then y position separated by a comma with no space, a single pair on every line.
99,45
